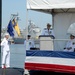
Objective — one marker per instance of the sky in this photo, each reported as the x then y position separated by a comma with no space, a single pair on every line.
19,6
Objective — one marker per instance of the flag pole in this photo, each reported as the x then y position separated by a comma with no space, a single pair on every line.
26,25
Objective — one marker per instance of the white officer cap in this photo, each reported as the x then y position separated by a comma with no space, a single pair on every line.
6,34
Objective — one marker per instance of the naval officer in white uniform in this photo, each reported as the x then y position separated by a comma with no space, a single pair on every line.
70,46
29,43
48,31
6,52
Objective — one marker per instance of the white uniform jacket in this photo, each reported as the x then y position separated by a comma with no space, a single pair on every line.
5,44
70,44
48,32
29,44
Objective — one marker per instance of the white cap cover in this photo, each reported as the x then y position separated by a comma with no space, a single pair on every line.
6,34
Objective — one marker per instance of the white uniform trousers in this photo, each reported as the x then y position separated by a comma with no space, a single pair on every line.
6,59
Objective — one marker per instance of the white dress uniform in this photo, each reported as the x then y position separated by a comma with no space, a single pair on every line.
70,44
6,53
29,44
48,32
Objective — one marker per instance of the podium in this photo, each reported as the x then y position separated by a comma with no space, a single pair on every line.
46,42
